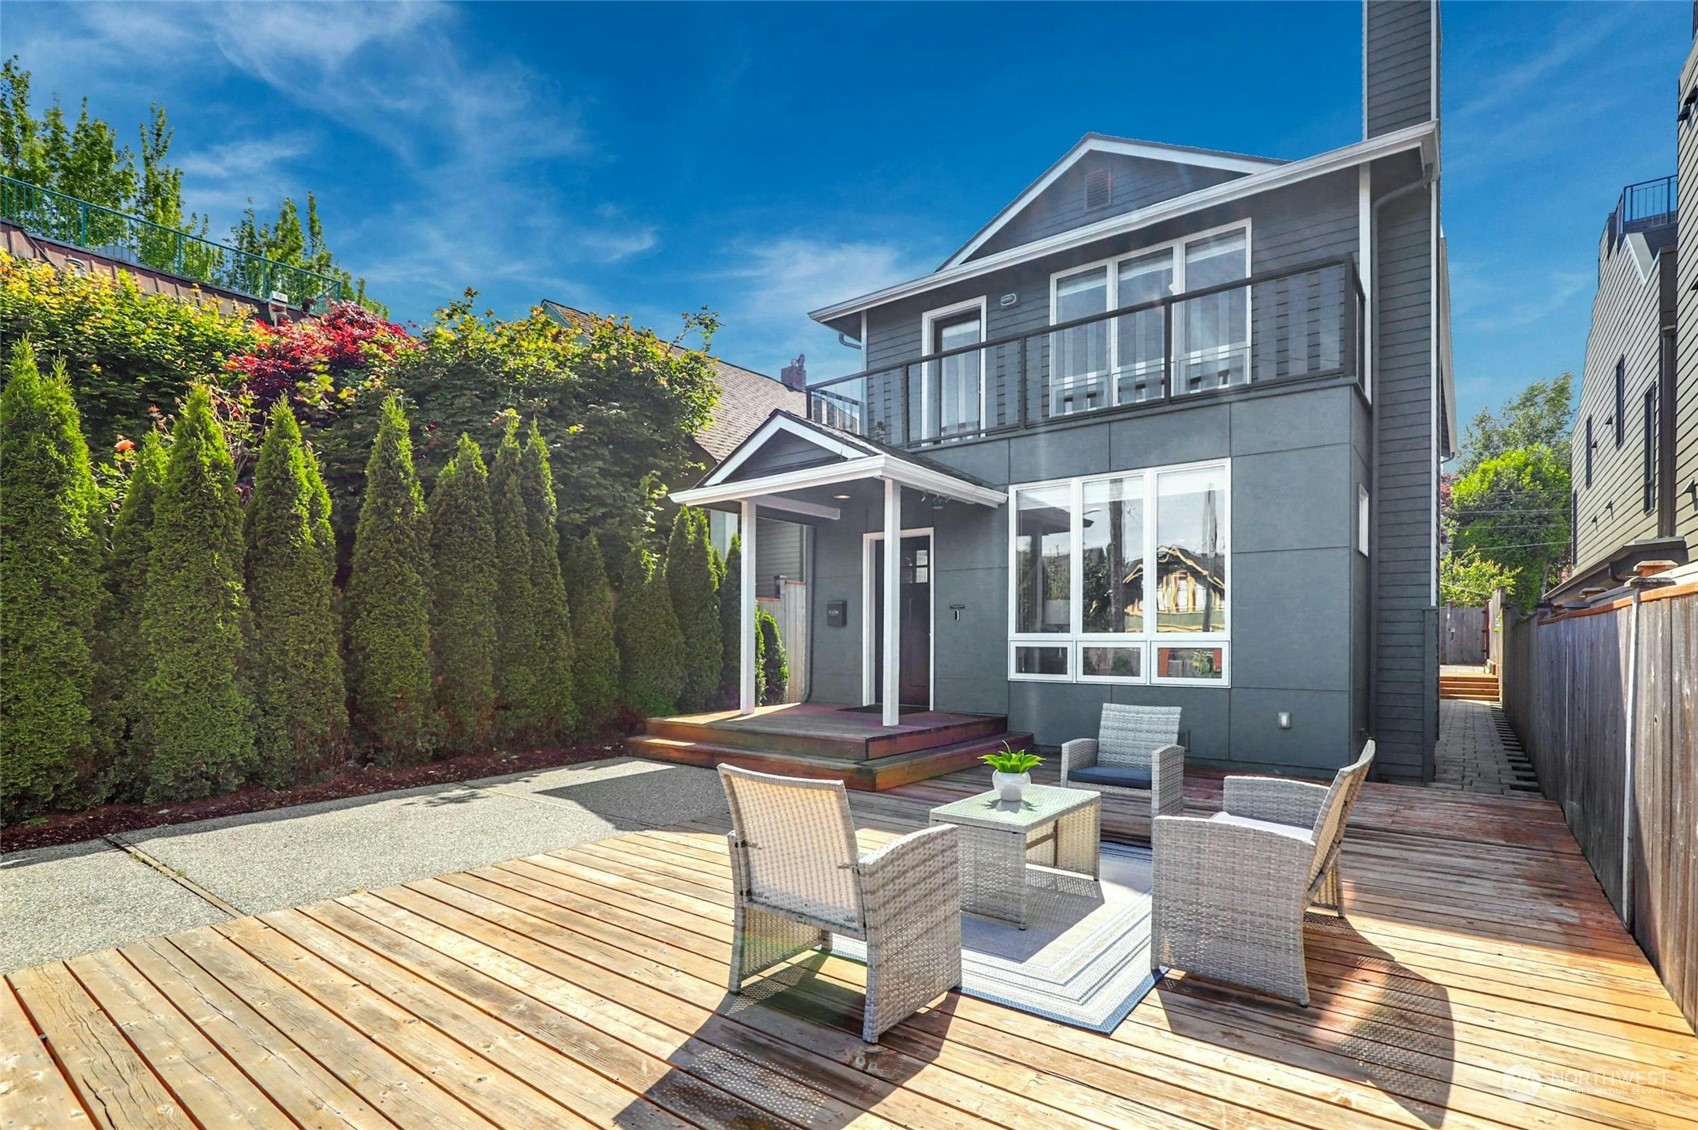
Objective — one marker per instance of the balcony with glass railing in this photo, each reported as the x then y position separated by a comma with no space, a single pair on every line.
128,238
1301,324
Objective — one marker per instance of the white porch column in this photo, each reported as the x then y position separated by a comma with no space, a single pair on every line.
892,602
746,674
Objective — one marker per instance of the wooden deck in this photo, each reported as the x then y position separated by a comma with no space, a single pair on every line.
585,987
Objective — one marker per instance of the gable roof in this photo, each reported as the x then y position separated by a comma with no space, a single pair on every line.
746,398
1122,146
1422,137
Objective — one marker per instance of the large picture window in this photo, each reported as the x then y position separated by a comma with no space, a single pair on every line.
1121,361
1122,577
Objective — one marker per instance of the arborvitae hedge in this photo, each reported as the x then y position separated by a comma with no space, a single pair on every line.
695,603
595,655
49,590
555,707
388,603
120,670
774,665
515,634
462,554
295,661
650,644
197,719
731,624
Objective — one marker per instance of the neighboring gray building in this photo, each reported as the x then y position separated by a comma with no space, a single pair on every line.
1634,449
1166,430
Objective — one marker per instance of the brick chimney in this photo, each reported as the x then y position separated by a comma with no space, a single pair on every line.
1400,64
795,374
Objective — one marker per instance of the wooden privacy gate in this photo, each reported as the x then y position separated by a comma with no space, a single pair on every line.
1463,635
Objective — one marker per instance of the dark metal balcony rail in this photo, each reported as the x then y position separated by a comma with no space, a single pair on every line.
1648,204
1301,323
131,239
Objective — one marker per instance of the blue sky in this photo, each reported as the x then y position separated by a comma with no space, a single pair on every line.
765,159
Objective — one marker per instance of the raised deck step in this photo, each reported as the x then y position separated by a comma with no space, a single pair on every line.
866,774
841,735
1469,688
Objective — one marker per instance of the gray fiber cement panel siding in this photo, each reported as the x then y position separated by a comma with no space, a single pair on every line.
1626,328
1398,40
1298,599
1405,722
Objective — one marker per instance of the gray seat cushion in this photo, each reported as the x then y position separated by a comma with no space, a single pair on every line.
1115,776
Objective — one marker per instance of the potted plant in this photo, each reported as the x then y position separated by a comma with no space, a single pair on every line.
1013,771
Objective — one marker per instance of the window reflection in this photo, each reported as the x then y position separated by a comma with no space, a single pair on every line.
1191,551
1043,560
1113,549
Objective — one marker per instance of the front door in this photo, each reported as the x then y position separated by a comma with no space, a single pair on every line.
915,646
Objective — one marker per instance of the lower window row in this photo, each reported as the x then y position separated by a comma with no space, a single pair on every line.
1201,663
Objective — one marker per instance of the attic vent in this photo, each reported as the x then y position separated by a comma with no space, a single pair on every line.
1099,186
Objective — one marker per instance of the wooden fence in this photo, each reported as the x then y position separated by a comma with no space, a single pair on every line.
1462,635
1605,700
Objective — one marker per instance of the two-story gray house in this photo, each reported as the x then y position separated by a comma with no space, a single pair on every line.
1166,429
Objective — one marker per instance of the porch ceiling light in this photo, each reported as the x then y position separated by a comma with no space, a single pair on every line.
841,497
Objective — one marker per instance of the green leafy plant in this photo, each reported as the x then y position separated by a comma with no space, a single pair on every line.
1010,760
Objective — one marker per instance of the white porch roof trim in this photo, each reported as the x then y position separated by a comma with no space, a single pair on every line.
887,467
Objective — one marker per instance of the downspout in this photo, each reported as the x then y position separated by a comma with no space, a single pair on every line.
1428,179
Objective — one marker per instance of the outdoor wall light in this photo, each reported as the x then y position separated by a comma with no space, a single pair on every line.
1285,719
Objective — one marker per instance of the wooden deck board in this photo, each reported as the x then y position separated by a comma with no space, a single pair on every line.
586,987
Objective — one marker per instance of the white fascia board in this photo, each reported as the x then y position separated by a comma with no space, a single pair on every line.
773,425
1172,154
797,506
1423,136
867,467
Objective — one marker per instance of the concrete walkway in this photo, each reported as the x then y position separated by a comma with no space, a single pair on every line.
61,901
1477,752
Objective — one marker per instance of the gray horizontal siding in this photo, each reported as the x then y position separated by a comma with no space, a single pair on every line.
1626,326
1685,469
778,553
1399,47
1136,182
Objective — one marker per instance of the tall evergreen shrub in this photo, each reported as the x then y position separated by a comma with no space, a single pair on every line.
650,644
695,603
463,557
774,664
731,624
388,603
595,655
196,713
555,707
120,668
515,633
49,590
300,704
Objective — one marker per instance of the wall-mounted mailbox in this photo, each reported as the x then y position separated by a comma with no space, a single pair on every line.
836,613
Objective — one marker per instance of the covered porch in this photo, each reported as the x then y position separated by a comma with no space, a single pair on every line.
803,471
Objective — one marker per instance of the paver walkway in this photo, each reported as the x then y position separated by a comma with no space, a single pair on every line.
1477,752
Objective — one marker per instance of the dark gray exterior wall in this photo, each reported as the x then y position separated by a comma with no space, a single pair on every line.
1135,182
1298,582
1404,550
1398,46
1628,315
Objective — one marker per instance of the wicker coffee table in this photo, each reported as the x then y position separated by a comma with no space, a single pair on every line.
1051,827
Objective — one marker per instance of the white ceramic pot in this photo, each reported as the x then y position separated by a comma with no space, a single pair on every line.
1010,786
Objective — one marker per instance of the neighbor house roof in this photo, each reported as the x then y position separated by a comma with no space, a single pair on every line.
746,398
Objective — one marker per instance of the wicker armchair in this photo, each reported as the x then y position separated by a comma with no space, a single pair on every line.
1136,753
1230,891
798,878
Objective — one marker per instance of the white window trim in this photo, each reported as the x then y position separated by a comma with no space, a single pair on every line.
1150,638
869,625
1174,248
927,320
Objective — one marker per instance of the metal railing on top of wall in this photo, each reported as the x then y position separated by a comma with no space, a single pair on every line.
131,239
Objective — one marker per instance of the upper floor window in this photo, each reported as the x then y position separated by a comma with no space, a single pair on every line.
1590,444
1081,551
952,388
1620,401
1650,454
1122,360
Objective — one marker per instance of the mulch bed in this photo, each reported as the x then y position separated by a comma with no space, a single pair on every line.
348,780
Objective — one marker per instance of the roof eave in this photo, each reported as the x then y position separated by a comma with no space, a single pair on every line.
1423,136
